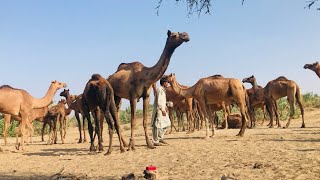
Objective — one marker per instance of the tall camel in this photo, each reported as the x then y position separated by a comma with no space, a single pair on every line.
37,114
20,103
77,106
133,81
98,94
276,89
215,90
313,67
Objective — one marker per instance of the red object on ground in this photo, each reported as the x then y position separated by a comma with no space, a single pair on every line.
151,168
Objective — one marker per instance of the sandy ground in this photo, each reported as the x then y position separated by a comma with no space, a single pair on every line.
263,153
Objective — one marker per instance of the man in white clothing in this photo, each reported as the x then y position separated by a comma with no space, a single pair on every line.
160,117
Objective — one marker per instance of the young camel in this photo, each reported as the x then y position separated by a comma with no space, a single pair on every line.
256,98
313,67
276,89
133,81
20,103
215,90
77,106
57,113
37,114
98,94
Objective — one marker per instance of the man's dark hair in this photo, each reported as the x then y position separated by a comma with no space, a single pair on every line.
162,81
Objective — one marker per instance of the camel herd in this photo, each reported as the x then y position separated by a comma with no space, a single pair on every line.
102,99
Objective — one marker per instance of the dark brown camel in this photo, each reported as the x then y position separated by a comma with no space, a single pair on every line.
133,81
313,67
98,94
77,106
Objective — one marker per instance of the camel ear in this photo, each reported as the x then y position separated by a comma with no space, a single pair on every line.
169,33
317,62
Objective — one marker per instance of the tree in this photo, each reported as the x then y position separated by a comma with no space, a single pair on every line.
200,6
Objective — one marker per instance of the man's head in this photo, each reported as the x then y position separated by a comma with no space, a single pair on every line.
163,82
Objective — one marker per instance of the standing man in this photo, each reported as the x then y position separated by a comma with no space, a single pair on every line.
160,118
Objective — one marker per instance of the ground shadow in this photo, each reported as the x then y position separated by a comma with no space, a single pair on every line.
295,140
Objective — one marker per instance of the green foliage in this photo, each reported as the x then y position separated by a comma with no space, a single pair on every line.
125,116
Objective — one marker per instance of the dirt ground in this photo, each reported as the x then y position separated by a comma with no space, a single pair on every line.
263,153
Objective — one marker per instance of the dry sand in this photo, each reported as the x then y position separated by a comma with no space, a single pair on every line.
263,153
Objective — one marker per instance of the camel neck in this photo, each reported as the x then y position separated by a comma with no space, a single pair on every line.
255,86
46,100
317,71
185,92
154,73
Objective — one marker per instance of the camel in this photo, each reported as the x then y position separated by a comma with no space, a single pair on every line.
256,98
215,90
57,113
133,81
98,94
36,114
234,121
313,67
20,103
276,89
77,107
181,104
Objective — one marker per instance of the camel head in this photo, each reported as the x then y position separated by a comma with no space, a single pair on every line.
169,78
65,93
62,101
177,38
58,85
311,66
250,79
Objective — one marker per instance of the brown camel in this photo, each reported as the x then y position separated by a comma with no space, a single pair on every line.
77,106
98,94
256,98
234,121
133,81
37,114
57,113
215,90
182,104
20,103
276,89
313,67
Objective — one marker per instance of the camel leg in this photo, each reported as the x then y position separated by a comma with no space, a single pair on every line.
90,127
79,126
299,102
29,125
45,121
96,117
61,121
101,125
50,131
24,120
203,108
225,117
117,100
111,131
55,130
7,118
276,112
291,103
66,119
84,118
146,101
133,104
113,118
269,106
171,119
244,120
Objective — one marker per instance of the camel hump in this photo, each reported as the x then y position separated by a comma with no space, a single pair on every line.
217,76
96,77
281,78
6,86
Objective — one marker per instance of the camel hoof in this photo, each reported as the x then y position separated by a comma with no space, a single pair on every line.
206,137
240,135
92,148
84,140
303,126
122,150
17,146
271,126
108,153
212,136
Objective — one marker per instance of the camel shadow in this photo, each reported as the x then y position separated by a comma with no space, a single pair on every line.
296,140
180,138
58,152
306,150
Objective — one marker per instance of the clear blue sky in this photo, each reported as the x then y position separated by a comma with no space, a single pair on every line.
68,41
